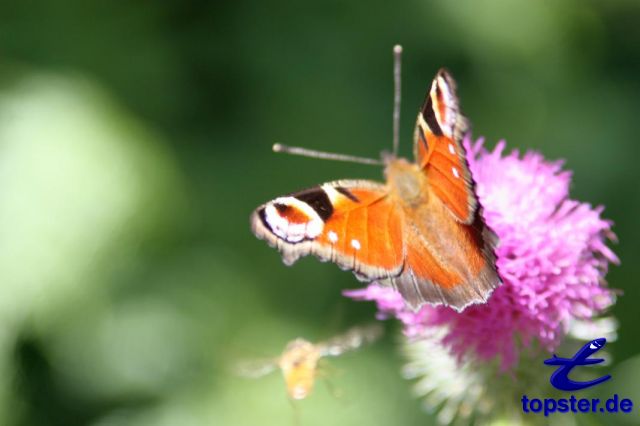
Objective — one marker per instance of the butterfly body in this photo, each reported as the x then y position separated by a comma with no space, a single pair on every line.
406,183
421,232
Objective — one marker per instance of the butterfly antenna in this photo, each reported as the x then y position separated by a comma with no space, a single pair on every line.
397,63
295,150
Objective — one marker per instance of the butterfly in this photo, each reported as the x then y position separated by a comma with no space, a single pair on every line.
299,362
421,232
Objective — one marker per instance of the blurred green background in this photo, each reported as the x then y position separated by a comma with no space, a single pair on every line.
135,141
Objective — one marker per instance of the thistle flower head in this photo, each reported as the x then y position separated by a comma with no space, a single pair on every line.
552,258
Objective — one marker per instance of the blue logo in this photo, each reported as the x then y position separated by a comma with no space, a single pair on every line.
560,378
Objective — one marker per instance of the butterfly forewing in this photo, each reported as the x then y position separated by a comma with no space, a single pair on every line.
351,223
438,148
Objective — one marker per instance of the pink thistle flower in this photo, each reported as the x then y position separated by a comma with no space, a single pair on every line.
552,258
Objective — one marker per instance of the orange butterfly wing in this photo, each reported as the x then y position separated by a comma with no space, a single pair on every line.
351,223
450,256
438,149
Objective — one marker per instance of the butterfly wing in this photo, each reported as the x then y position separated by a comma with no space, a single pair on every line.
438,148
352,223
450,256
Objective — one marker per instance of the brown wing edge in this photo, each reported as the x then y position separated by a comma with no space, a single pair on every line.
461,127
291,252
417,292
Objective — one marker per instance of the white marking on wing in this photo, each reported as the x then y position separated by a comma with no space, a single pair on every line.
451,108
293,232
332,193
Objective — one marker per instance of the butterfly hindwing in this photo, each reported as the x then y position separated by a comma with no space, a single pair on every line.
457,270
351,223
